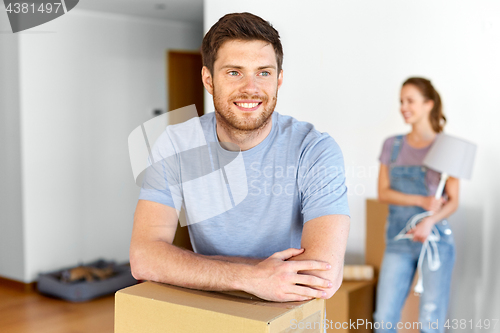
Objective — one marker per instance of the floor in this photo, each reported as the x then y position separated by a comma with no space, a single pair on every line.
22,312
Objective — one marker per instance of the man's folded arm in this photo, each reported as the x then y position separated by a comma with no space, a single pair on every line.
241,260
153,257
325,239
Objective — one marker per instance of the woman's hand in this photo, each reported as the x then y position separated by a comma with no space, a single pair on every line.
422,230
431,204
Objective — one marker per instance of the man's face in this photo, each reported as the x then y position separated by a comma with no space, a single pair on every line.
244,83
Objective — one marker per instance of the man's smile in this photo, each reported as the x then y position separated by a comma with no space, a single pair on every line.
247,105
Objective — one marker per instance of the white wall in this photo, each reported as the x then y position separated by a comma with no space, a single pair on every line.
86,81
344,62
11,223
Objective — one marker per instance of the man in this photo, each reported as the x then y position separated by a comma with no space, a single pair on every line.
285,241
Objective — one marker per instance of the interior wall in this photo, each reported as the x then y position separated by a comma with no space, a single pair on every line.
11,222
344,62
87,80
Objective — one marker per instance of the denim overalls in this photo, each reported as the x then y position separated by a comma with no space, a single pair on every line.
401,257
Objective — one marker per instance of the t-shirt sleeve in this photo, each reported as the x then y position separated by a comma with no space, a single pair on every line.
385,155
161,179
321,179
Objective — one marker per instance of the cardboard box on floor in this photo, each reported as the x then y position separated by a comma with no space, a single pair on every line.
154,307
376,216
352,303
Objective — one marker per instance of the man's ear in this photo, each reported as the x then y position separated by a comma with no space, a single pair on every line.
280,79
206,78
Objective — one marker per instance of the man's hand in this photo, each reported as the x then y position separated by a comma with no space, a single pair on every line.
276,279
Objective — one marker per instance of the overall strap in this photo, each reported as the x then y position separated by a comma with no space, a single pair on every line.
396,148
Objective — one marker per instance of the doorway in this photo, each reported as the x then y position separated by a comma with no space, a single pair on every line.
184,80
184,88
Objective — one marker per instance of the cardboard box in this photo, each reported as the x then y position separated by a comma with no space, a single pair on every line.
376,216
352,303
154,307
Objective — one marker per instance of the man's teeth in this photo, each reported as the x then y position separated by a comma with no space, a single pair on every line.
247,105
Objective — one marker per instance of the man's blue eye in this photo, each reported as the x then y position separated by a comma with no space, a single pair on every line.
265,73
233,73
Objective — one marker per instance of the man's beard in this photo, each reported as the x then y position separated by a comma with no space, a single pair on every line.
235,124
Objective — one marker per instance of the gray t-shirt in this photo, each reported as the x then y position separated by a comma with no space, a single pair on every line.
411,156
252,203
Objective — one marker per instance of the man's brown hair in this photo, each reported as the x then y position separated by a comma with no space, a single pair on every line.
239,26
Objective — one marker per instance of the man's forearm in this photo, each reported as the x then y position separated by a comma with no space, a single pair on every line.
325,240
163,262
241,260
335,274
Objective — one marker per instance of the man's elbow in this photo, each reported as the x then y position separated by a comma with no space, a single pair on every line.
336,283
135,268
138,265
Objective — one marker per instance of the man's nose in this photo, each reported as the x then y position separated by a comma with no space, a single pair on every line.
249,85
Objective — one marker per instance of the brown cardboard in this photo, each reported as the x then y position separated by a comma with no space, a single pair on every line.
154,307
376,216
352,303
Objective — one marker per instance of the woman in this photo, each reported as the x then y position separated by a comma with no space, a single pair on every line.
409,188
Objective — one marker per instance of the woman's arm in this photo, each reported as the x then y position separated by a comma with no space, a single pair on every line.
451,205
423,229
393,197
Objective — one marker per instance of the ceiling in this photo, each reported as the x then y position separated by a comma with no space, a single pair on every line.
177,10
